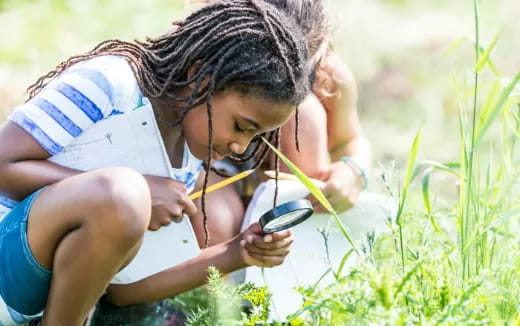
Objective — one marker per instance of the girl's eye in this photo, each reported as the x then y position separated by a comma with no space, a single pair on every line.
239,129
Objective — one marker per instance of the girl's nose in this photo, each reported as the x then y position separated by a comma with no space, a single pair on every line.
238,148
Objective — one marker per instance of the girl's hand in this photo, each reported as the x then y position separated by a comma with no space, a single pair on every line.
169,201
342,188
264,250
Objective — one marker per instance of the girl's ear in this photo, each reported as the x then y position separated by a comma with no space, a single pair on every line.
193,70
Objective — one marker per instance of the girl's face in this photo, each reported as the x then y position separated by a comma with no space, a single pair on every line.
236,120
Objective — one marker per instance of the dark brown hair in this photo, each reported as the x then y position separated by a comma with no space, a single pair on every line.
246,45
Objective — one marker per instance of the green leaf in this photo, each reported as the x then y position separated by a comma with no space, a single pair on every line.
496,109
315,191
455,45
485,56
451,167
426,191
434,223
406,278
491,99
408,175
342,264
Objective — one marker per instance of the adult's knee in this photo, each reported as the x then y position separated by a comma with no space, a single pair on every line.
121,204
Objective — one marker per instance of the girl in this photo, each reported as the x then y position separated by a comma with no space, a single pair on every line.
227,73
332,145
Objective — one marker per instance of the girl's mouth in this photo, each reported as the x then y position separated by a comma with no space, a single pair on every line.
216,155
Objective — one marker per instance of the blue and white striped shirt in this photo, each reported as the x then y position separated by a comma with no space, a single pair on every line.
84,94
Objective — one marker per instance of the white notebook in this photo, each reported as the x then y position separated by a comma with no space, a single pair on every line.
133,140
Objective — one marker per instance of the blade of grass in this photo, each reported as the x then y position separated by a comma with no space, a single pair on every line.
426,191
496,109
458,42
446,167
408,176
455,45
488,103
485,56
407,277
407,179
316,192
342,264
468,217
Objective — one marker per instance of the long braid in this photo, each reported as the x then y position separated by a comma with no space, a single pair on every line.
277,42
296,130
276,165
211,89
243,45
206,176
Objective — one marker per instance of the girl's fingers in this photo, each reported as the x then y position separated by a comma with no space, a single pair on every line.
270,249
283,251
334,200
267,261
319,209
270,241
153,227
175,211
165,220
255,229
316,205
341,202
277,236
178,219
188,206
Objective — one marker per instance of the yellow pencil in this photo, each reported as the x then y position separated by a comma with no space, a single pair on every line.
288,176
221,184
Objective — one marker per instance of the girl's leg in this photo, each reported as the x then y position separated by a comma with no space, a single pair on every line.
225,212
85,229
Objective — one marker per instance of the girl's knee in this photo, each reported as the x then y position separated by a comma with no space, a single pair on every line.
121,203
224,220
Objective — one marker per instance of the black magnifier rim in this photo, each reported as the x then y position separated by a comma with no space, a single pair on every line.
299,204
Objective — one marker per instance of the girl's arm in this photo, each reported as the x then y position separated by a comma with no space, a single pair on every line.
178,279
329,126
24,169
345,135
77,98
23,164
250,247
329,129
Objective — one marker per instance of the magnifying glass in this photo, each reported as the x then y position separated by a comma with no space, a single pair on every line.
286,215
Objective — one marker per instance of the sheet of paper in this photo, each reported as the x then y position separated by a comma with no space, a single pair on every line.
133,140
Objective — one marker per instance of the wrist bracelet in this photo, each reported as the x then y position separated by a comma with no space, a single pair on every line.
356,166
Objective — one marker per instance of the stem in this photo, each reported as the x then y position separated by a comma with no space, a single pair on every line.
402,248
466,214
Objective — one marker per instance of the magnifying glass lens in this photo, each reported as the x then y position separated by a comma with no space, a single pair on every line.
286,215
286,219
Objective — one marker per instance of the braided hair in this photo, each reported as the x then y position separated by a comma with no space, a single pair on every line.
312,19
245,45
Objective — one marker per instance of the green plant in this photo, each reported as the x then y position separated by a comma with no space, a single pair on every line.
224,304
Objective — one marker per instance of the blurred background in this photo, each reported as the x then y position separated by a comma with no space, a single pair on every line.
401,51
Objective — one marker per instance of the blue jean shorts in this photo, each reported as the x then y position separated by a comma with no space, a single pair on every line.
24,283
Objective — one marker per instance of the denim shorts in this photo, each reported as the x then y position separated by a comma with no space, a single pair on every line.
24,283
